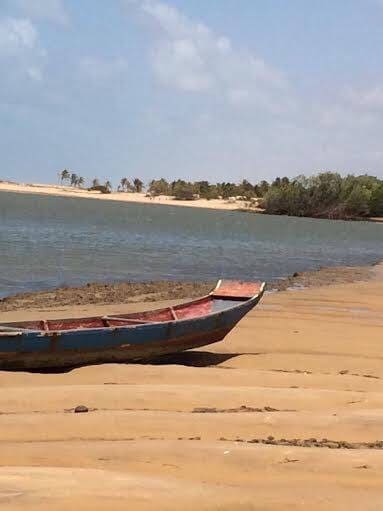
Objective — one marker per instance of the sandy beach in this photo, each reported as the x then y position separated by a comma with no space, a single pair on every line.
285,414
138,198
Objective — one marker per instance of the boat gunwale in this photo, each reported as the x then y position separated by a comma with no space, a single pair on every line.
49,333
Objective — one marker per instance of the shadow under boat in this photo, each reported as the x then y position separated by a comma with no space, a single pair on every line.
184,358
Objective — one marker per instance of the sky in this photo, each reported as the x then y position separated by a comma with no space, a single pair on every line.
204,89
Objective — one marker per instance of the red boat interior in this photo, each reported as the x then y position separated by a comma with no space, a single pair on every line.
223,297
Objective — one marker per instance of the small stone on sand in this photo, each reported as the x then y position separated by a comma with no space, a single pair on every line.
81,409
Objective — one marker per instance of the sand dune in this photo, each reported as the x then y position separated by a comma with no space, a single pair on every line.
179,434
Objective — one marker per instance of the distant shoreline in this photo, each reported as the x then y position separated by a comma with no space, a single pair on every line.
130,197
142,198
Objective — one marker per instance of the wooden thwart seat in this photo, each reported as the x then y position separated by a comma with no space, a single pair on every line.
106,319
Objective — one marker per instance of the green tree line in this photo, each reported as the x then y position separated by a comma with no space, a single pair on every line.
186,190
325,195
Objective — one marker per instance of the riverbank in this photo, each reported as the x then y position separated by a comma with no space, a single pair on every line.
137,198
142,198
133,292
290,399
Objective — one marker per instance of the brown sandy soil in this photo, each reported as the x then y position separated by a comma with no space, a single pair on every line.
133,292
215,429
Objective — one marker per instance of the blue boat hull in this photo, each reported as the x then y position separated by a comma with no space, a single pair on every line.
34,350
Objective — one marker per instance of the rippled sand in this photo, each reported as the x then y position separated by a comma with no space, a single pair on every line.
304,365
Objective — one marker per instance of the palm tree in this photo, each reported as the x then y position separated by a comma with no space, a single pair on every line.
138,184
64,175
95,182
108,185
80,181
73,179
124,183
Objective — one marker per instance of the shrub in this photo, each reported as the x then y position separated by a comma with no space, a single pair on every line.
376,201
100,188
184,191
357,203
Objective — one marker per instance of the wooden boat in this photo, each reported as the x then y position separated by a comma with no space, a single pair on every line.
127,337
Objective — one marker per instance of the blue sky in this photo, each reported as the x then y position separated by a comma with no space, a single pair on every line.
215,89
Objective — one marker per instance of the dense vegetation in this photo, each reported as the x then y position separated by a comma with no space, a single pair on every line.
184,190
325,195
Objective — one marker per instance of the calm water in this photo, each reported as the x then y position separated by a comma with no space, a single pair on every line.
52,241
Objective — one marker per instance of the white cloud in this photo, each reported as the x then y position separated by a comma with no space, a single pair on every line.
189,56
21,54
16,36
50,10
178,64
241,116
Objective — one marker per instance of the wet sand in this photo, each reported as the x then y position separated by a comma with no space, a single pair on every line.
285,414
